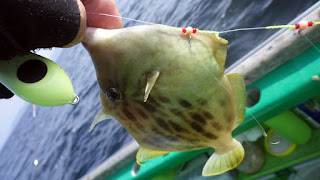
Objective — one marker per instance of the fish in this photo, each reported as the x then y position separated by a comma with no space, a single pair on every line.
169,91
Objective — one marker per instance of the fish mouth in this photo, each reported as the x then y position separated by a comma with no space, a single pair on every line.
87,40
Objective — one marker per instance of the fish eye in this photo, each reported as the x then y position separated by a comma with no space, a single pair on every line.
114,94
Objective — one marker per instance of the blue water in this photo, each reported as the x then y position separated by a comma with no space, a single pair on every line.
59,136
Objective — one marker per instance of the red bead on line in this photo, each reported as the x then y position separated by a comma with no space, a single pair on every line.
189,30
303,25
194,30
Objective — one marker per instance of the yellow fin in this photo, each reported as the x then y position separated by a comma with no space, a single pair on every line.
151,80
99,117
239,93
145,154
221,162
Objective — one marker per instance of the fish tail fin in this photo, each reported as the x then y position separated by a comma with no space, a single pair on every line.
220,162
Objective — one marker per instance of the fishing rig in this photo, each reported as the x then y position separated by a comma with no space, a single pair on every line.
54,87
307,78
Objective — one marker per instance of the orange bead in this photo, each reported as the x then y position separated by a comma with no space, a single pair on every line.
303,24
189,30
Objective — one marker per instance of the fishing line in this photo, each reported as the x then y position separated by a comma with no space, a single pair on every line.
103,14
263,130
264,133
215,77
300,32
242,29
301,25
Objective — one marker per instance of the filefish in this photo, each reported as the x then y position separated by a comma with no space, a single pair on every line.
169,91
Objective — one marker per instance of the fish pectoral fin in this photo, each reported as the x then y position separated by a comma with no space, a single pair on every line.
99,117
239,93
151,80
221,162
145,154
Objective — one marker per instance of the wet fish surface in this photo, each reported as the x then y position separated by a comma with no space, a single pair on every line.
169,91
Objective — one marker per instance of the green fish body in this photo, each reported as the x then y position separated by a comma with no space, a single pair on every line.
169,91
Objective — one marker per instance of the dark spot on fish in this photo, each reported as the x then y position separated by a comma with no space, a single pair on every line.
128,114
169,138
228,116
222,102
216,125
185,103
153,101
202,102
196,127
180,137
162,114
163,99
188,136
211,136
162,123
155,130
177,113
176,126
148,106
142,114
198,118
208,115
139,126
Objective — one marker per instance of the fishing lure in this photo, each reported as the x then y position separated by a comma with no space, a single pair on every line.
50,86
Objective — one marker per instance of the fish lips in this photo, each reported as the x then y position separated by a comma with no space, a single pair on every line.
89,35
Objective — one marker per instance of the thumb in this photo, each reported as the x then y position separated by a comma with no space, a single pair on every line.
83,25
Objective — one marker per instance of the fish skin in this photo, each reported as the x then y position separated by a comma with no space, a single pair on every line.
191,105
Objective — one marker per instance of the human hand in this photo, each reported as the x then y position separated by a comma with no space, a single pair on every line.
96,20
26,38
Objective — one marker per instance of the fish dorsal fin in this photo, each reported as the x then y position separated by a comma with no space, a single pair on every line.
151,80
219,48
145,154
239,93
222,160
99,117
